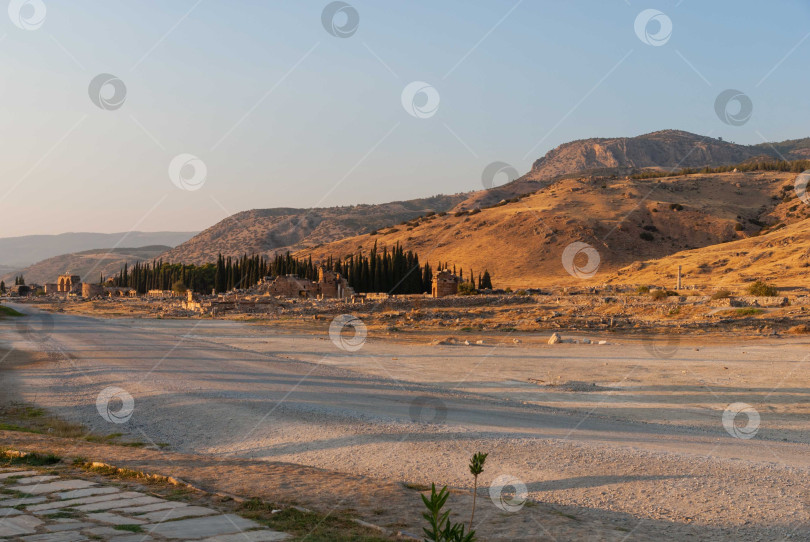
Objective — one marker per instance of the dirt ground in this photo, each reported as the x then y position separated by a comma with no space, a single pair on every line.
623,440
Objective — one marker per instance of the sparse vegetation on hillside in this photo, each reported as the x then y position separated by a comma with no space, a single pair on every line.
760,288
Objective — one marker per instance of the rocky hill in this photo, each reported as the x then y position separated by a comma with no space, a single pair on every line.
266,231
597,169
522,242
620,156
87,264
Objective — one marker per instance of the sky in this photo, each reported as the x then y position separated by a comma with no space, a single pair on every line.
156,115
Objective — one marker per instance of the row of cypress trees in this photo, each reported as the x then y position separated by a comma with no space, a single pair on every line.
396,271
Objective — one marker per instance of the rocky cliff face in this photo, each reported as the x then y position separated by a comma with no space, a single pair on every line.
665,149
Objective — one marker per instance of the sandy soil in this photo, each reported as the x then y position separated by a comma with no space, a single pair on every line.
648,445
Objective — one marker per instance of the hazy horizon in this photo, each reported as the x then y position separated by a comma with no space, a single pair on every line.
284,114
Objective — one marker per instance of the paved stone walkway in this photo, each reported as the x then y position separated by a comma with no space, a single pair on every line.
41,508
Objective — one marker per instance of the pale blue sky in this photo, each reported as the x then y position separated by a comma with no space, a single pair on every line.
284,114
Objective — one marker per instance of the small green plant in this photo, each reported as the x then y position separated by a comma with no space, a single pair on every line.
748,311
131,527
476,468
759,288
440,528
643,290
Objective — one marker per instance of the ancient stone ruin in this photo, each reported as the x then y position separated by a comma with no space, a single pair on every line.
445,283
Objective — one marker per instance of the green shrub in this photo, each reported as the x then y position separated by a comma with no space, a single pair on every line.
658,294
643,290
759,288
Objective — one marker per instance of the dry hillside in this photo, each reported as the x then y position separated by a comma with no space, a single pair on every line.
619,156
781,258
265,231
522,242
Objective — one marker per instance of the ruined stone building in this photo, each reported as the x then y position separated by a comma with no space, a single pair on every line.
292,286
445,283
333,285
67,284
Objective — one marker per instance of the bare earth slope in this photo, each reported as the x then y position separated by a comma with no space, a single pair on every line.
521,243
88,264
265,231
781,257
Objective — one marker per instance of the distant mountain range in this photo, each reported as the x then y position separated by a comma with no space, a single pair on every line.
88,264
20,252
580,191
341,230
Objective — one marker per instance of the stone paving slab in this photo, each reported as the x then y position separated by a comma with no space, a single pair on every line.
74,525
55,486
24,500
84,500
114,519
55,537
90,491
5,475
109,505
249,536
5,512
197,528
177,513
165,505
35,479
17,525
132,538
